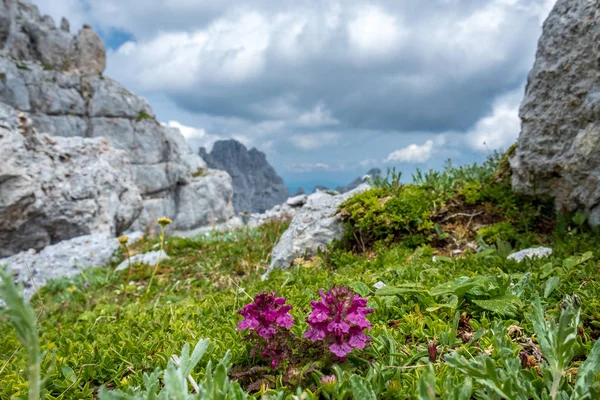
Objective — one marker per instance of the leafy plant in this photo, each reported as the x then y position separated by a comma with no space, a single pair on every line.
557,340
23,319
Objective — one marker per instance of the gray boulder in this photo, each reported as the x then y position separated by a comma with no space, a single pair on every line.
256,185
205,200
313,227
64,259
559,143
55,188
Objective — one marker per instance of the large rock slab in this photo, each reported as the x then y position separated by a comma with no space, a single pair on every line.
256,185
313,227
62,260
55,188
205,200
559,145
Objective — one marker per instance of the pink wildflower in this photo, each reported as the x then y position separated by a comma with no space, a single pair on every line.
339,319
265,314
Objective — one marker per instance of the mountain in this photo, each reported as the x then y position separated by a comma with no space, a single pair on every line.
256,185
358,181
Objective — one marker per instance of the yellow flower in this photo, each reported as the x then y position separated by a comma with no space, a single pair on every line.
123,239
164,221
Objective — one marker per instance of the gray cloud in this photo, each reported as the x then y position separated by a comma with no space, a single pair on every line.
329,82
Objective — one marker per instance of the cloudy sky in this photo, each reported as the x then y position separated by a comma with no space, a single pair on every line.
328,89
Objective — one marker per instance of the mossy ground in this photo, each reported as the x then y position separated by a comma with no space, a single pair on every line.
101,328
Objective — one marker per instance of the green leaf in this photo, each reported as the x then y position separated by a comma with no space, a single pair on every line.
504,305
574,261
361,389
401,290
587,373
551,284
361,288
69,374
426,386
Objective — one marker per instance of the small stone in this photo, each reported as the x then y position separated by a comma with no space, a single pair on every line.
379,285
151,258
539,252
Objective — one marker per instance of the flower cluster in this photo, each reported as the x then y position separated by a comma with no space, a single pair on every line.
265,314
339,319
269,320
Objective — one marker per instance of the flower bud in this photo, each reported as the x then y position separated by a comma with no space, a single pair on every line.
164,221
123,239
328,383
432,350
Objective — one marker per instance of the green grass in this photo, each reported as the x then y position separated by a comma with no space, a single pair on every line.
102,328
143,115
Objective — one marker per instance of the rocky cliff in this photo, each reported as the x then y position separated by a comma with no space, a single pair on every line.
55,188
256,185
56,79
558,153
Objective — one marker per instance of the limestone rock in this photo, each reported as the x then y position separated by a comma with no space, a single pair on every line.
559,143
54,188
206,200
109,99
63,259
297,201
256,185
150,258
55,78
539,252
313,227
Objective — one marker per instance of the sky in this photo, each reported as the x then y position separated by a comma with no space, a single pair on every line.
327,89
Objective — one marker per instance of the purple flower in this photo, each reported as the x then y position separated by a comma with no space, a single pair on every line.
269,321
265,314
339,320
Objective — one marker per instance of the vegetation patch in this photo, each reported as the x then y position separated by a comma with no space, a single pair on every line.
439,324
143,115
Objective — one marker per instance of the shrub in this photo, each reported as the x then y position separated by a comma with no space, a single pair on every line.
380,214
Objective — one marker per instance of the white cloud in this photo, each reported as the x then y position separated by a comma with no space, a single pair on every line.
373,32
196,137
315,141
317,117
499,129
412,154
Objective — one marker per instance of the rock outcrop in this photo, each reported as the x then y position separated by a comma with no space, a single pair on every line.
64,259
256,185
313,227
54,188
56,79
559,145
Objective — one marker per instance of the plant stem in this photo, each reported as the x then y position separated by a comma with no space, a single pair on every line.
555,385
162,246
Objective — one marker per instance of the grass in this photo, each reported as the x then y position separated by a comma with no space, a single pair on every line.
103,329
143,115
